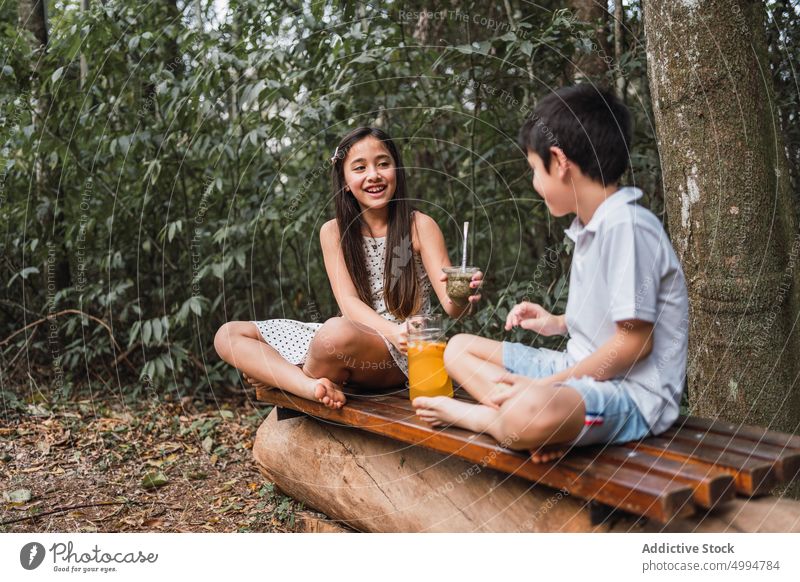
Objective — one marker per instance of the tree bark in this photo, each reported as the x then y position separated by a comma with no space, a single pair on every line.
84,62
728,203
198,13
592,65
32,16
619,47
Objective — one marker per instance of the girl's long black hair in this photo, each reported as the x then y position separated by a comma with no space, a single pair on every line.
401,288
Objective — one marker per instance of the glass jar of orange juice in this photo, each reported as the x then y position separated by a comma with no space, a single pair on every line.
426,343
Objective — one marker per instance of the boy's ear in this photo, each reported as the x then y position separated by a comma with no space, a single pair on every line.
560,158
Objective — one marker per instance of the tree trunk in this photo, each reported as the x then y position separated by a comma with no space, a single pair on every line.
84,62
619,47
198,13
727,196
32,16
592,65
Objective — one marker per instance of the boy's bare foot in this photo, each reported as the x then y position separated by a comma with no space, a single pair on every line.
329,393
444,411
545,456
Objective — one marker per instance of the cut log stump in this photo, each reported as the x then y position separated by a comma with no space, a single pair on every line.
375,483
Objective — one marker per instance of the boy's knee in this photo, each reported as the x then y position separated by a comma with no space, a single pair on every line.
516,430
530,419
525,421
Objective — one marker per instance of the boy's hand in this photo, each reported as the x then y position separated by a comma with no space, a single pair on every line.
475,283
534,317
508,384
500,394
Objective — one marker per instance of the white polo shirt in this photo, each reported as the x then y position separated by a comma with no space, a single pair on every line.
624,267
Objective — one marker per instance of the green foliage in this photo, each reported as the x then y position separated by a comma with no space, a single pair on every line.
183,182
783,42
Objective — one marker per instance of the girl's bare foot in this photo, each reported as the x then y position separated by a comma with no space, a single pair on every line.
254,383
329,393
542,455
444,411
320,389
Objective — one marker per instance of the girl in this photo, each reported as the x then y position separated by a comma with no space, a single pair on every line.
382,259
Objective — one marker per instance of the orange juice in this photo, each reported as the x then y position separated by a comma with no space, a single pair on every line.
426,373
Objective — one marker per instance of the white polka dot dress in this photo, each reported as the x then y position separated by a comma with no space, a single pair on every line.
292,338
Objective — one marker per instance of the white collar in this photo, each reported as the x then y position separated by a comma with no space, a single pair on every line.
619,198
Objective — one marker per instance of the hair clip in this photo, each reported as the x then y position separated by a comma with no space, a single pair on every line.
335,155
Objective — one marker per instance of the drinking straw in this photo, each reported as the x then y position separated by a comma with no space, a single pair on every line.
464,253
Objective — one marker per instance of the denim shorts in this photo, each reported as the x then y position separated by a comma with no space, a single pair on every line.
611,414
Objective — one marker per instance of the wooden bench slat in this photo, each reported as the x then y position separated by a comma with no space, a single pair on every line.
404,406
651,496
401,399
786,462
742,431
707,496
711,486
753,476
605,468
697,462
379,407
633,490
784,449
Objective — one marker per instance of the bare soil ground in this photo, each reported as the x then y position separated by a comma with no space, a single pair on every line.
104,465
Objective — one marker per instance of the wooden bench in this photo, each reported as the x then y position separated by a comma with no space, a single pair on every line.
697,465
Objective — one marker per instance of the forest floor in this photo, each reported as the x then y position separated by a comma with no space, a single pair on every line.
102,464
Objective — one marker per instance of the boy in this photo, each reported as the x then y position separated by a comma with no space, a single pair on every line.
621,376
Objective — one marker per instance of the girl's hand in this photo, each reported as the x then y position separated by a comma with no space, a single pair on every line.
534,317
475,283
399,338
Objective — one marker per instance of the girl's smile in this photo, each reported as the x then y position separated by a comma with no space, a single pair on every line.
375,190
369,173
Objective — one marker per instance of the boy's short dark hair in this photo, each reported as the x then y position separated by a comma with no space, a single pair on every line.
590,125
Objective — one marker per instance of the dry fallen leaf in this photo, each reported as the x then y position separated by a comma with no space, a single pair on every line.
18,496
154,480
64,438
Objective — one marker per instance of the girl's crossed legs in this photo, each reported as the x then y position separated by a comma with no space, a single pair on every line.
341,351
527,419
